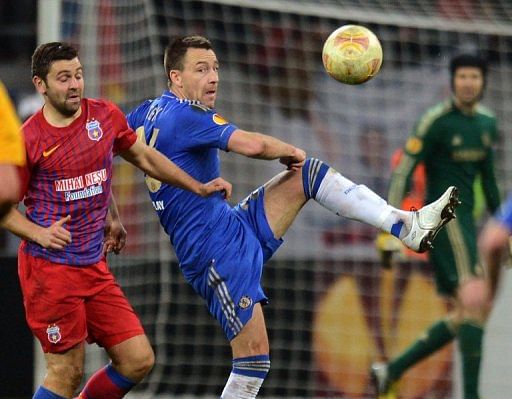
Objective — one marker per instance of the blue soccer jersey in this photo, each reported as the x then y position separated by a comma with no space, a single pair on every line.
190,135
221,250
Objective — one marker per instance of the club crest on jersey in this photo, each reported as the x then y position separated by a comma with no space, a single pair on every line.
53,332
94,130
245,302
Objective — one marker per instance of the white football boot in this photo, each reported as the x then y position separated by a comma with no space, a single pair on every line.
430,219
385,388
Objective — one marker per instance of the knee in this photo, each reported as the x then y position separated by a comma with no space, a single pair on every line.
138,365
474,299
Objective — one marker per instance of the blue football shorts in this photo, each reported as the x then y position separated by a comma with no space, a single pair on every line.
237,250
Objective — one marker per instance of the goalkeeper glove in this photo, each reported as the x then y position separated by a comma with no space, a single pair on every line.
387,245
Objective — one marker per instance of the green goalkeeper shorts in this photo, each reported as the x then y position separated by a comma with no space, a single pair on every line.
454,255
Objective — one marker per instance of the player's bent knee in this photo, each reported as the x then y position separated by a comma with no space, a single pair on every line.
139,366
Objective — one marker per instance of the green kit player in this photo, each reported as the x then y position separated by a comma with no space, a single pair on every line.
454,141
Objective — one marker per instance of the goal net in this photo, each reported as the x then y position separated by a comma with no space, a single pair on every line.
332,310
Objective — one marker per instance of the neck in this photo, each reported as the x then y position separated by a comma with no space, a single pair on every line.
467,108
177,92
56,118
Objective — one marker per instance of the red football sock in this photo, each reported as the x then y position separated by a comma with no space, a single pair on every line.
106,383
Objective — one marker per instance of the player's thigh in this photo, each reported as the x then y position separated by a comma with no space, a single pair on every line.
253,339
454,256
54,307
110,317
232,286
284,198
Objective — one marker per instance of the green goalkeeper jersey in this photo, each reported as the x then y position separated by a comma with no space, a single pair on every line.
455,148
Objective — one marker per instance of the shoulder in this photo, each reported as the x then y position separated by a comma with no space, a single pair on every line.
192,110
101,105
137,115
486,112
432,115
31,129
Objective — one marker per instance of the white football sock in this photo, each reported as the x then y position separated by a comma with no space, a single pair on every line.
241,387
356,201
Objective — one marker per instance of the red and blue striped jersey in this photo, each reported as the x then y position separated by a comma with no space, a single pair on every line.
69,172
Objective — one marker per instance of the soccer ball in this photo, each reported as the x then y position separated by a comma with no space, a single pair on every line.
352,54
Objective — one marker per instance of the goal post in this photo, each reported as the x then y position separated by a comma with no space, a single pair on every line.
332,309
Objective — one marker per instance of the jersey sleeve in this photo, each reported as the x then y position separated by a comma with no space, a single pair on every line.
204,128
414,151
489,184
137,115
32,155
11,142
125,137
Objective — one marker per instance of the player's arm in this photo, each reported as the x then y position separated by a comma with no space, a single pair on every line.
8,188
52,237
413,152
154,164
12,152
493,244
115,233
489,185
257,145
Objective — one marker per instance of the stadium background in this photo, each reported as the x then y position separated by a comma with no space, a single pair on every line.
333,310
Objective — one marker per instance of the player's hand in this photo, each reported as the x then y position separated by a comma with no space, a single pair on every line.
216,185
387,245
295,161
115,237
55,236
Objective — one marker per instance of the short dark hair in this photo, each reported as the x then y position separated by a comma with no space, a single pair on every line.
47,53
467,60
177,48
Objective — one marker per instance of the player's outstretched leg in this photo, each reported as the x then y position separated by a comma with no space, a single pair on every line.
356,201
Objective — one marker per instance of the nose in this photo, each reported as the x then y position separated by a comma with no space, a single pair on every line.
214,76
73,83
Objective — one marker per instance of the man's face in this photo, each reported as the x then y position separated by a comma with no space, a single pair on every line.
64,86
200,76
468,84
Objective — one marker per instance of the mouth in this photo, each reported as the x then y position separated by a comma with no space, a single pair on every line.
73,97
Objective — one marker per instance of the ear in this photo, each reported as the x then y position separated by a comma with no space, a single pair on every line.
175,78
39,84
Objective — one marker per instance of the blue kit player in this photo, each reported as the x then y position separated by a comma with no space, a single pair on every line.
221,249
494,244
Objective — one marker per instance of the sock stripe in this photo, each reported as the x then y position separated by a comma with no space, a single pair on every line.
319,177
44,393
396,228
312,176
313,173
120,380
305,179
253,366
